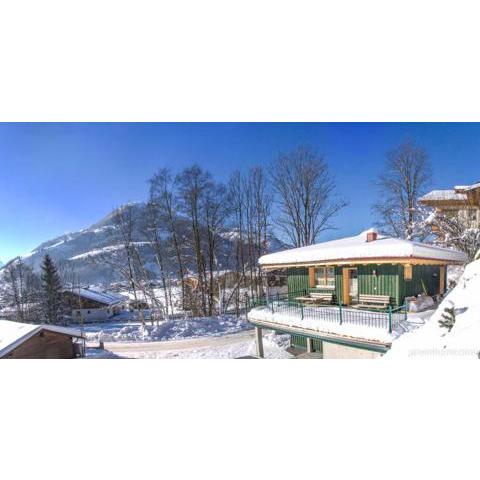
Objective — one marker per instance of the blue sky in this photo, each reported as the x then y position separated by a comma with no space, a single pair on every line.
56,178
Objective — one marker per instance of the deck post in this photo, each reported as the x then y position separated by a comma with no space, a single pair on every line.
309,345
389,319
340,311
259,342
265,286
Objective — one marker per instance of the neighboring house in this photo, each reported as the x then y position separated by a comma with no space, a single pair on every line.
138,305
24,340
342,281
461,201
91,305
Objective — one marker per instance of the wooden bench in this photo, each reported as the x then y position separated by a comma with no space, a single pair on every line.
316,297
373,301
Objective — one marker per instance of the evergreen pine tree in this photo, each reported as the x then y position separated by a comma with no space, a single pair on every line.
448,318
51,291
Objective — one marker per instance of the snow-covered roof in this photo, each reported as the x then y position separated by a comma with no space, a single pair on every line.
105,298
468,187
444,195
358,248
13,334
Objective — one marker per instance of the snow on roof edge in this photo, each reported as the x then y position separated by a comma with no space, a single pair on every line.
28,331
106,298
357,247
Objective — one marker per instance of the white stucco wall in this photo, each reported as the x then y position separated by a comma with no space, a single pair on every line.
334,351
91,315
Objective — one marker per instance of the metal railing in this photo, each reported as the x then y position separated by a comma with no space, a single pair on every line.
287,304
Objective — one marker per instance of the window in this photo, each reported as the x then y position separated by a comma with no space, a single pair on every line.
325,277
407,272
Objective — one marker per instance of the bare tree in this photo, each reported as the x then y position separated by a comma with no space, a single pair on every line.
305,195
452,231
193,182
22,291
124,257
154,231
236,203
406,175
214,213
249,205
162,197
68,274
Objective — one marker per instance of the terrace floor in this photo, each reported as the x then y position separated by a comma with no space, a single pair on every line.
349,322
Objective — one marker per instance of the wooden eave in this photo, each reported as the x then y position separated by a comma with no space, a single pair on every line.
365,261
443,203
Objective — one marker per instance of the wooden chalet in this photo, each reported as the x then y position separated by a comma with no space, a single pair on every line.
24,340
363,281
91,305
462,201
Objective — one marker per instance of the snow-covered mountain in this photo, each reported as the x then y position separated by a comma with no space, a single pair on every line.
79,250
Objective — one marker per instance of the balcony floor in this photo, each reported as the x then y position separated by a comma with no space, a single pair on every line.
355,323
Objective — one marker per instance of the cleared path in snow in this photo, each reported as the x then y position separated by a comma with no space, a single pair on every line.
125,349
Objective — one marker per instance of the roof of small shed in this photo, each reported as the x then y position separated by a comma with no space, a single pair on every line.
13,334
358,248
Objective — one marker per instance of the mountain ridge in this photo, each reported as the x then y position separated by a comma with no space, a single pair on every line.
78,250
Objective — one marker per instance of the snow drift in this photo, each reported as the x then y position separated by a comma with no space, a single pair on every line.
168,330
463,340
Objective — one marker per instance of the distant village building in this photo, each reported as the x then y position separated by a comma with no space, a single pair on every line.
24,340
349,292
91,305
462,201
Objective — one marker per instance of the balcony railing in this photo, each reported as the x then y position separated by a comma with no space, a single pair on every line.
286,304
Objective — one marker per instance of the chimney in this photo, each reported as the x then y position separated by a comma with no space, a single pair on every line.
371,236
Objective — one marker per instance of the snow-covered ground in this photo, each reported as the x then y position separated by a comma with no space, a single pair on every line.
120,331
434,341
236,345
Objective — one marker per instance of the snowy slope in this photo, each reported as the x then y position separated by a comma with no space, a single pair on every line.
434,341
83,247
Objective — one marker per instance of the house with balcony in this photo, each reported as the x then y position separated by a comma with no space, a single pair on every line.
88,305
350,293
463,202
